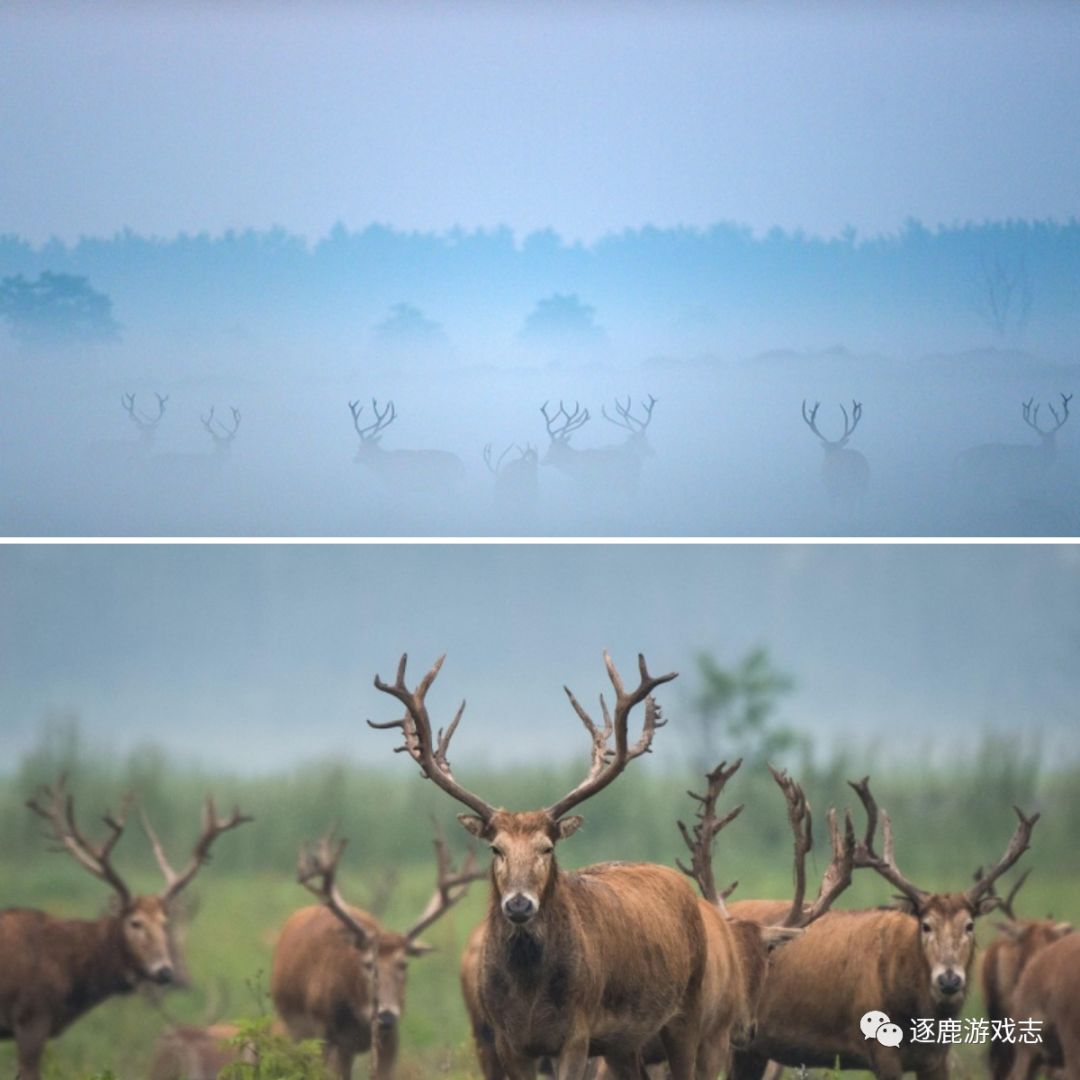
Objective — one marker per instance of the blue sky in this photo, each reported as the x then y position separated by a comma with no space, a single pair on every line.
588,118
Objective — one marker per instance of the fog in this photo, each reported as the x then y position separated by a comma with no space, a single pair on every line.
257,657
731,454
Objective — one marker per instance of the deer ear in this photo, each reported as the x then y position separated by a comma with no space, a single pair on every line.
905,904
569,825
418,948
774,937
1062,928
473,824
988,904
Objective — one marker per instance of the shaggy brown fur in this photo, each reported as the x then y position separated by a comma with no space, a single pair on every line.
848,963
325,987
1049,991
612,956
193,1052
1004,961
53,970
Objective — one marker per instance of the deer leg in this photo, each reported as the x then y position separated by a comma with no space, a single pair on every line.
681,1049
29,1046
517,1067
574,1060
384,1052
746,1065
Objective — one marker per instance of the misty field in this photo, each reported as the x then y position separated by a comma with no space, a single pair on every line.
731,454
948,821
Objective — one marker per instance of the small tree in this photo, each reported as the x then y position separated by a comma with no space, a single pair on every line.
55,309
733,710
562,320
1004,293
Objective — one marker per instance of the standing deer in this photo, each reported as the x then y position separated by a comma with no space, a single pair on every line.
407,471
739,949
53,970
125,452
221,434
1048,996
910,962
845,473
339,975
1013,469
593,962
1004,962
611,471
517,481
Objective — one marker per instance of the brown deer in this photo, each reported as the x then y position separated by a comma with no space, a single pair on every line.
910,962
1004,961
845,473
53,970
339,975
611,471
593,962
1047,998
739,949
194,1052
176,468
404,471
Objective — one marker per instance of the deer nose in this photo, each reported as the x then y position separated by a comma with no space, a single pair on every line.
387,1018
519,908
162,975
950,982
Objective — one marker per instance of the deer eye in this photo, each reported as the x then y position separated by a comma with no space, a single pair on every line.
970,928
497,852
547,849
135,924
926,928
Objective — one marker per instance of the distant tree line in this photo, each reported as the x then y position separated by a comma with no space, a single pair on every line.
1002,279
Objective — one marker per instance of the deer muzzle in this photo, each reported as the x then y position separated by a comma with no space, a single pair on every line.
520,907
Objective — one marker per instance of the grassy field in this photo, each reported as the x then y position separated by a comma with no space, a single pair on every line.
947,822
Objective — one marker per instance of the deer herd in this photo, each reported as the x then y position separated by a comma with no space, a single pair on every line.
620,970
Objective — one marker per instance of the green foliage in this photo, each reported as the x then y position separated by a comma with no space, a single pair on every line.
733,710
56,308
263,1054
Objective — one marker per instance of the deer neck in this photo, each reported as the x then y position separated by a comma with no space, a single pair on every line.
101,968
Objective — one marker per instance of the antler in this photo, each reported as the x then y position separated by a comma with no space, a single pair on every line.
1005,902
837,876
885,865
212,828
218,431
145,423
574,420
705,831
1032,418
849,423
451,886
1020,842
631,423
60,813
416,727
317,872
372,431
608,763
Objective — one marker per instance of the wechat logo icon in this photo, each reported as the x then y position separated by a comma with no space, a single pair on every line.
876,1025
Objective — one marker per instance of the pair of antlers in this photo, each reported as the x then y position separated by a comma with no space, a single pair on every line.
383,419
885,863
429,751
837,875
849,424
848,853
57,807
317,871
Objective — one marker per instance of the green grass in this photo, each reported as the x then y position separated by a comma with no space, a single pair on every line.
947,822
